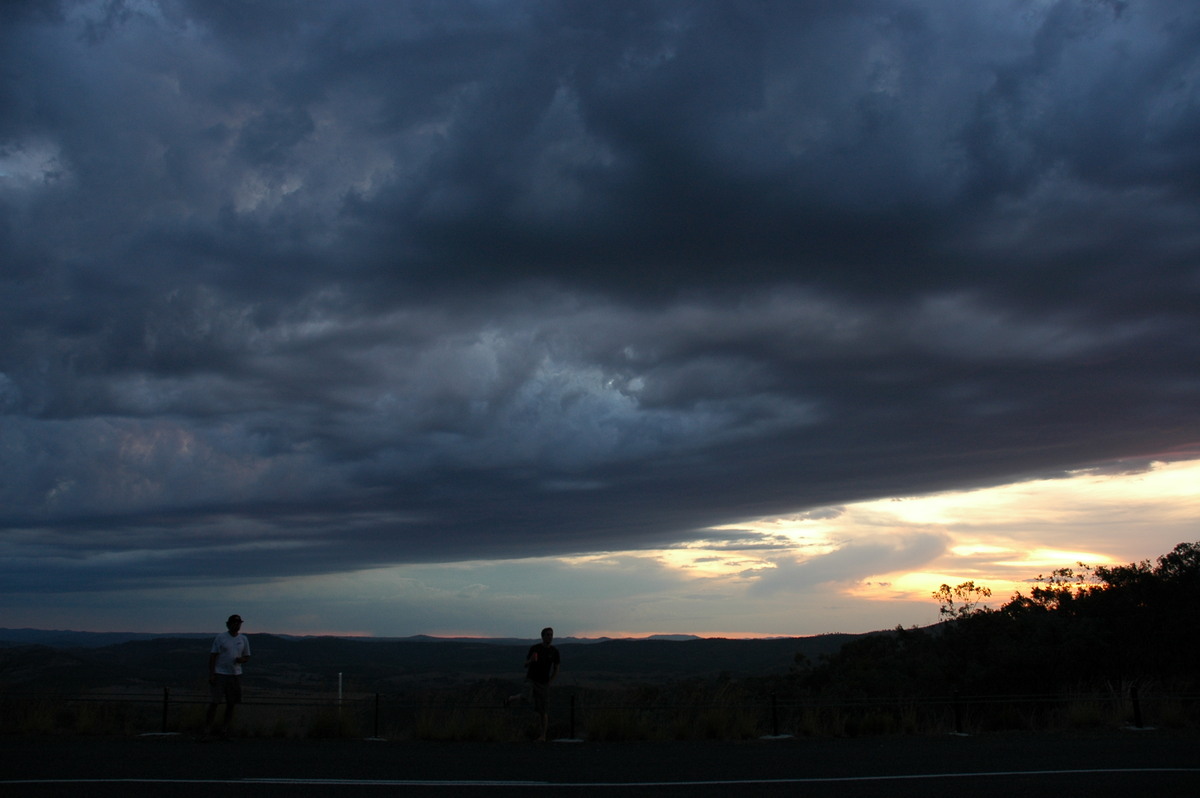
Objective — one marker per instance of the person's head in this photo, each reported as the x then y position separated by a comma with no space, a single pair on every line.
547,635
234,623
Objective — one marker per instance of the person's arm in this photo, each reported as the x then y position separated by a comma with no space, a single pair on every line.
212,666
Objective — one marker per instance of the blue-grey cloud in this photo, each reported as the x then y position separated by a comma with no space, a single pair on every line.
296,288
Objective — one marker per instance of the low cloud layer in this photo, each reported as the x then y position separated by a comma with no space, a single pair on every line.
294,289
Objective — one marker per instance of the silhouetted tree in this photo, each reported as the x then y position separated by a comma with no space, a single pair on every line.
1077,626
961,600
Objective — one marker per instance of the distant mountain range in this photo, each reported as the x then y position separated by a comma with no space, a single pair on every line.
33,660
65,638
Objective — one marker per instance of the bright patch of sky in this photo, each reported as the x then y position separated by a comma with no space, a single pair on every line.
1001,537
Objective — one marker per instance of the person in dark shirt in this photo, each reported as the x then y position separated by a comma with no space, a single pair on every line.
541,667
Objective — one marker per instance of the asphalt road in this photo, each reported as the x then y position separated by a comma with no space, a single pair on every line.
1102,763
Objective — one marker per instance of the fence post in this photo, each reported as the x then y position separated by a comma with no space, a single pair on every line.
958,713
166,703
774,715
572,733
1137,706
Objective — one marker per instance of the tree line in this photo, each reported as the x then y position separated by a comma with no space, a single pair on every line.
1077,628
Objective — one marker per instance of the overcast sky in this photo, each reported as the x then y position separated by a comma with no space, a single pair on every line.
403,317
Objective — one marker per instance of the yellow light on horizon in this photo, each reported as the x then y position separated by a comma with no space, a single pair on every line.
1005,536
919,587
1053,558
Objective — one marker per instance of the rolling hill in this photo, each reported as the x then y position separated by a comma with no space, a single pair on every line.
381,665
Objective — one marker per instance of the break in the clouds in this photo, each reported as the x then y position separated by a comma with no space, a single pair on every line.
295,289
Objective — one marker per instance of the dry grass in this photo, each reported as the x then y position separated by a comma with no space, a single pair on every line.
697,712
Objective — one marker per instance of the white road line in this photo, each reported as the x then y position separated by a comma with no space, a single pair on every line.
608,784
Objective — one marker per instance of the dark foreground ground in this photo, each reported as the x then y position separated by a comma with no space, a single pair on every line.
1143,764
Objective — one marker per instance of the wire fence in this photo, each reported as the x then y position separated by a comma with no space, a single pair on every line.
578,713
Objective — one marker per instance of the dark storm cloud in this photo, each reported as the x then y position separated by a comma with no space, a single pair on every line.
298,287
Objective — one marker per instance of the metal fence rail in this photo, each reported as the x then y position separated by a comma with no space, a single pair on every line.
598,715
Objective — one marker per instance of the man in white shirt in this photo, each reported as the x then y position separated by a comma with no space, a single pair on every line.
230,649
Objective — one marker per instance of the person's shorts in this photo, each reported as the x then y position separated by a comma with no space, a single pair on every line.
225,688
539,694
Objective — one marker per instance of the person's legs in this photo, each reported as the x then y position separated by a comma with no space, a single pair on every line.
528,695
232,690
225,690
540,695
216,695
